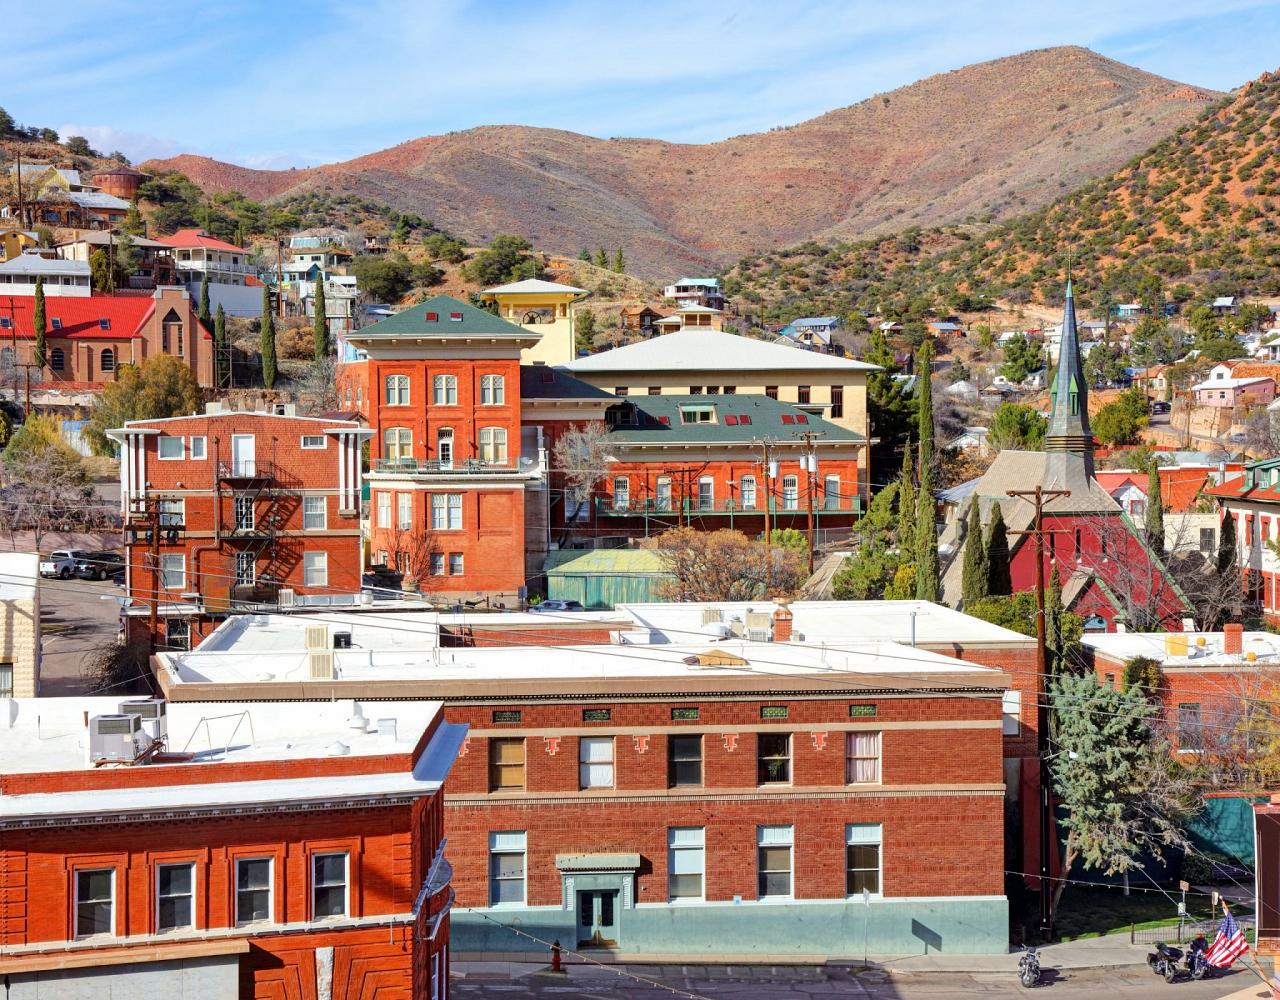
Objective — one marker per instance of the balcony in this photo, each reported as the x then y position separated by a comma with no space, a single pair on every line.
246,470
660,507
212,266
477,467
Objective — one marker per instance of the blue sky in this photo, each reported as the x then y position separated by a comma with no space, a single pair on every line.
276,84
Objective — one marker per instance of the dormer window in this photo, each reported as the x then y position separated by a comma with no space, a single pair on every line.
455,317
433,317
4,323
697,414
56,323
104,324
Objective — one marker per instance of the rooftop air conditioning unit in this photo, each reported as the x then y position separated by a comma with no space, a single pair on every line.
152,712
317,637
710,615
288,597
758,634
320,665
115,737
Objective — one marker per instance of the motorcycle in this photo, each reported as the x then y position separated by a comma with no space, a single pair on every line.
1029,968
1164,961
1199,966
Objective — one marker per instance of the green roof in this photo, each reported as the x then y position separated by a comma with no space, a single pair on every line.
452,318
546,382
606,562
738,419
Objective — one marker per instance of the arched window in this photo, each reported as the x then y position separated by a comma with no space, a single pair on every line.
747,493
621,493
397,390
493,445
57,359
108,363
790,492
398,443
444,390
171,333
493,390
444,447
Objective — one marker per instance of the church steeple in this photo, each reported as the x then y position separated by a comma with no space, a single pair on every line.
1069,436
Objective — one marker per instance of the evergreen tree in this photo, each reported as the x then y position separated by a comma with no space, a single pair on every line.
1055,653
977,570
1155,510
584,254
924,405
132,223
887,407
1227,545
602,258
220,345
907,512
998,554
321,323
926,537
619,264
38,321
204,312
268,340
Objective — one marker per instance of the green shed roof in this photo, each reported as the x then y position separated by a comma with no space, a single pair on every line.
443,316
738,419
605,562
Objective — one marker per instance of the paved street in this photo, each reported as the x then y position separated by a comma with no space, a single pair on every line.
76,621
493,979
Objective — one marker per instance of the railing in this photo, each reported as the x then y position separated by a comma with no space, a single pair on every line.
657,506
246,468
215,265
1186,930
467,467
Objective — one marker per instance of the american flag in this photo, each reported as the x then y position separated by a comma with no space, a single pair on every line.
1228,945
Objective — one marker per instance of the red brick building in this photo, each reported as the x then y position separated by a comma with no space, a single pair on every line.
253,509
291,850
1252,499
88,340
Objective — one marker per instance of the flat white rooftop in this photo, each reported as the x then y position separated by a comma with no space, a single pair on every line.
1202,649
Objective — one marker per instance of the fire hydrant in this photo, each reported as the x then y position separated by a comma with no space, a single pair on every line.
555,956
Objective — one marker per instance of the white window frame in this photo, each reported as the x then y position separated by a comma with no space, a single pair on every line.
167,562
851,760
246,560
662,493
747,492
324,442
776,836
396,390
173,511
446,511
199,448
684,845
384,508
191,923
444,390
404,511
504,842
397,444
493,390
243,512
346,885
323,513
76,873
621,493
456,564
1011,713
862,835
435,564
706,493
493,445
591,758
316,574
237,889
830,492
166,439
790,492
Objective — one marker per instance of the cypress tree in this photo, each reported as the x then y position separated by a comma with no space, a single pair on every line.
926,538
619,264
220,345
322,323
206,316
977,570
924,404
268,340
1055,661
907,512
38,322
1155,510
998,555
1227,544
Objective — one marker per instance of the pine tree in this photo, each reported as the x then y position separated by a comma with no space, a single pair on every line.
602,258
926,537
887,406
268,340
132,223
1155,510
219,345
907,512
998,555
38,321
205,314
924,405
977,570
619,264
321,323
584,254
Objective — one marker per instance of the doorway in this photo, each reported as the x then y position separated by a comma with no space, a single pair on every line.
242,455
597,918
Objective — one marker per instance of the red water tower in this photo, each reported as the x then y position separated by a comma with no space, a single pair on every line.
122,181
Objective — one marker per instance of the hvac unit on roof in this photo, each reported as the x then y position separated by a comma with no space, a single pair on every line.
287,597
710,615
115,737
155,719
317,637
319,665
757,635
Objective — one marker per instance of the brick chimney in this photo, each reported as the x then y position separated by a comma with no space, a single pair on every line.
1233,638
782,623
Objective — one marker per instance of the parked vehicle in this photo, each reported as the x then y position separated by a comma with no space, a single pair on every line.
1197,964
1164,961
100,566
62,562
1159,406
1029,968
557,605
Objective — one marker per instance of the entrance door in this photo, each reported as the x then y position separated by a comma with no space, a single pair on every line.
596,918
242,454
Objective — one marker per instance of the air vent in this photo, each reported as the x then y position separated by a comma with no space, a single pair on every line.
320,665
317,637
710,615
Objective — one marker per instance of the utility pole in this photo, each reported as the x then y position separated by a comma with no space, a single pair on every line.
810,462
766,474
22,208
146,513
279,276
26,367
1039,497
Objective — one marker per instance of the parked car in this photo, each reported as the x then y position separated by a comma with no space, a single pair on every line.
100,566
558,606
1159,406
62,562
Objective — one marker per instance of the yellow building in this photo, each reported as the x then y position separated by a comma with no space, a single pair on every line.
20,628
543,306
700,361
14,241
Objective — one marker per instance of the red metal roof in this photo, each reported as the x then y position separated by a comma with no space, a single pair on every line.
1180,486
198,238
80,318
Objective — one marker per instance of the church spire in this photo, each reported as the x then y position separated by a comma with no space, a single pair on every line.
1069,436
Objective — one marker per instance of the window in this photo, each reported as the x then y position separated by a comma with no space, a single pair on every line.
455,564
747,492
199,449
802,394
436,562
713,390
837,402
108,361
315,569
173,571
246,571
444,447
493,445
95,901
397,443
314,442
862,758
773,861
771,391
621,493
862,859
686,862
170,449
177,633
706,493
662,493
384,510
730,390
444,390
314,513
172,512
446,511
57,359
697,414
175,896
695,390
1190,736
493,390
6,680
831,494
328,886
253,890
684,761
506,715
790,492
506,867
1208,543
244,512
397,390
404,511
773,757
1010,713
684,713
506,764
655,390
595,762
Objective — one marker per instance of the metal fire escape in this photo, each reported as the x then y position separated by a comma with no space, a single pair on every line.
253,513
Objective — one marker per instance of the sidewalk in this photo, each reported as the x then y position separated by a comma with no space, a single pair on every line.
1110,952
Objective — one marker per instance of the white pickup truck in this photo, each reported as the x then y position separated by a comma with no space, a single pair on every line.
62,562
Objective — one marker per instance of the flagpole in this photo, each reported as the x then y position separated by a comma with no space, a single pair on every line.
1256,966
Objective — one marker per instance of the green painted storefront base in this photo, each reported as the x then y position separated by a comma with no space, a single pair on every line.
977,925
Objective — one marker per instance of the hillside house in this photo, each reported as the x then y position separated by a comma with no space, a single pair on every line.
691,315
813,332
227,267
946,329
639,319
1223,391
16,241
696,291
1225,305
59,277
153,260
